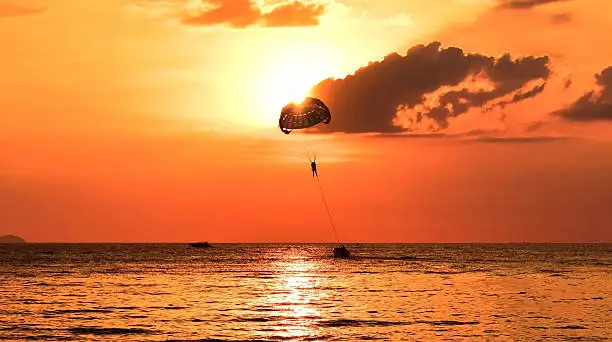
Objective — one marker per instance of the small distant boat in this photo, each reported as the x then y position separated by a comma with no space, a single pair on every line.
202,244
341,252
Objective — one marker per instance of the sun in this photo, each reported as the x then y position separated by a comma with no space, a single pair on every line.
285,77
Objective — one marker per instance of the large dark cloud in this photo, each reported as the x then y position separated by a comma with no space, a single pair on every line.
594,105
244,13
524,4
369,99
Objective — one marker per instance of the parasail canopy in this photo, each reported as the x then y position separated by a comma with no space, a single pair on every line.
310,112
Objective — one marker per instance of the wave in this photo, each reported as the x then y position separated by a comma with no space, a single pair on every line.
217,340
37,338
572,327
343,322
72,311
448,323
110,331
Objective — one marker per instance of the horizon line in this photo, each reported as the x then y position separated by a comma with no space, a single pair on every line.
302,243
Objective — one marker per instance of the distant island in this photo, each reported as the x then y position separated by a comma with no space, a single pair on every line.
11,239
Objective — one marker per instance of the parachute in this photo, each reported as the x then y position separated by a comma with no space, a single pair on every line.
310,112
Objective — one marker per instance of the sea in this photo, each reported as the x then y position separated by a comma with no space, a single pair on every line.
299,292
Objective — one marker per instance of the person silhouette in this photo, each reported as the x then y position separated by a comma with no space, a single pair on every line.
313,166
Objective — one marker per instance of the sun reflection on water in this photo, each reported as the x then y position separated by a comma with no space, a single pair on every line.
293,296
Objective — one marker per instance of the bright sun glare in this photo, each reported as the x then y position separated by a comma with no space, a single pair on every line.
287,77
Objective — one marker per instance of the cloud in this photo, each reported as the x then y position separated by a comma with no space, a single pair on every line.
522,95
523,139
595,105
524,4
236,13
412,135
425,88
10,9
561,18
534,126
477,136
244,13
294,14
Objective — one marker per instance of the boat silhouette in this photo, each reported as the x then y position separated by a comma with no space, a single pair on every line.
201,244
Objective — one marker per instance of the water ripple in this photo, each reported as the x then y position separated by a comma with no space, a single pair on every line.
272,292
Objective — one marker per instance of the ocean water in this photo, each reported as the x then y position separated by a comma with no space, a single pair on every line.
298,292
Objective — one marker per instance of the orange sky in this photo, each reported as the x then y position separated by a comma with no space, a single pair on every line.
156,120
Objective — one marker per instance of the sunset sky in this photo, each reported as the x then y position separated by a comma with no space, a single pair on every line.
453,120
